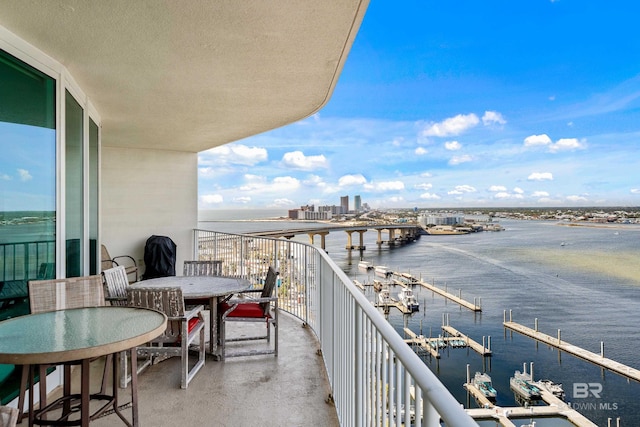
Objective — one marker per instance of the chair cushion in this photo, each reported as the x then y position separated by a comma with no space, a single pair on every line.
252,310
192,323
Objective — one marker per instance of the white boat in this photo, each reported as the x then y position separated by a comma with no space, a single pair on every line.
521,384
382,271
483,383
365,265
554,388
384,297
408,299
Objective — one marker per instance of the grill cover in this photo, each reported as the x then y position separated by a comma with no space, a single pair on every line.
159,257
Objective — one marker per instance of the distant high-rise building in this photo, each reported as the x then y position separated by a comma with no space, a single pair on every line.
344,204
358,203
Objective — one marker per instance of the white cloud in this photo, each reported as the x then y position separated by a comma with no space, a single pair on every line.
242,200
493,117
212,199
456,160
518,190
426,175
385,186
567,144
540,194
429,196
537,140
297,160
315,180
452,145
233,154
461,189
502,195
424,186
285,183
347,180
420,151
540,176
497,188
5,177
452,126
635,191
576,198
24,175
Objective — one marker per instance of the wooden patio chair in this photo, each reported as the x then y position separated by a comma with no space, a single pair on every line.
8,416
60,294
183,327
202,268
107,262
247,309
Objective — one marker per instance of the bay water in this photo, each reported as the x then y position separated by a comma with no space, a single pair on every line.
582,280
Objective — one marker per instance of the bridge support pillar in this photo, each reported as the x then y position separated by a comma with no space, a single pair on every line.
323,235
350,245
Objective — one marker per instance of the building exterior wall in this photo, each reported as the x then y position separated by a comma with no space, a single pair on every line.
147,192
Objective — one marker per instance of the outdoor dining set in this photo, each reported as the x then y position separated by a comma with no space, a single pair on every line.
130,325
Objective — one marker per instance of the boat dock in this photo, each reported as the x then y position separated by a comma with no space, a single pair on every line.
475,346
598,359
504,415
476,305
429,344
393,304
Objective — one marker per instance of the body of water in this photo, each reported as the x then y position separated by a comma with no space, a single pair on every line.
582,280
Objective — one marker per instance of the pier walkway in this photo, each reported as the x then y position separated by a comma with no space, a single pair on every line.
504,415
457,299
475,346
587,355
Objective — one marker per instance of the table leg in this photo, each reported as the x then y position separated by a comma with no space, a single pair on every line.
85,375
134,386
213,334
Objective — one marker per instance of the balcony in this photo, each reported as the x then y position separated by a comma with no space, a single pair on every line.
340,362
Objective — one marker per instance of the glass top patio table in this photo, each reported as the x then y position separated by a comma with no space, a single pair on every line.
211,288
76,334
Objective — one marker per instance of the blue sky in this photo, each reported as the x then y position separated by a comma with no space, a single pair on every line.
529,103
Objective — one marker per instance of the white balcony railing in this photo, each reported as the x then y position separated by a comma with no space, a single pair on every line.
372,372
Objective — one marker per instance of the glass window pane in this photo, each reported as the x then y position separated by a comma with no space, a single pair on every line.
93,197
73,186
27,182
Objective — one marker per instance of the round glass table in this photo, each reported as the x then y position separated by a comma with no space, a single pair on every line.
78,335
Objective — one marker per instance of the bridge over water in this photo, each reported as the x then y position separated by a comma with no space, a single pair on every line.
396,234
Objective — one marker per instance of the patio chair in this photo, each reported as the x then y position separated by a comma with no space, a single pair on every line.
107,262
116,283
8,416
247,309
202,268
183,327
60,294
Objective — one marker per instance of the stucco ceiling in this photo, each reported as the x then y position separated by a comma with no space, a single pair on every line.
192,75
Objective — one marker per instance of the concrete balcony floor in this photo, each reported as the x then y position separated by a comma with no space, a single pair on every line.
264,390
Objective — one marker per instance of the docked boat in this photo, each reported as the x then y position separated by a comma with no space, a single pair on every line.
384,297
521,384
554,388
382,271
483,383
408,299
365,265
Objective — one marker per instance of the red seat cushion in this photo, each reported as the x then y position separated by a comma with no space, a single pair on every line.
244,310
192,323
